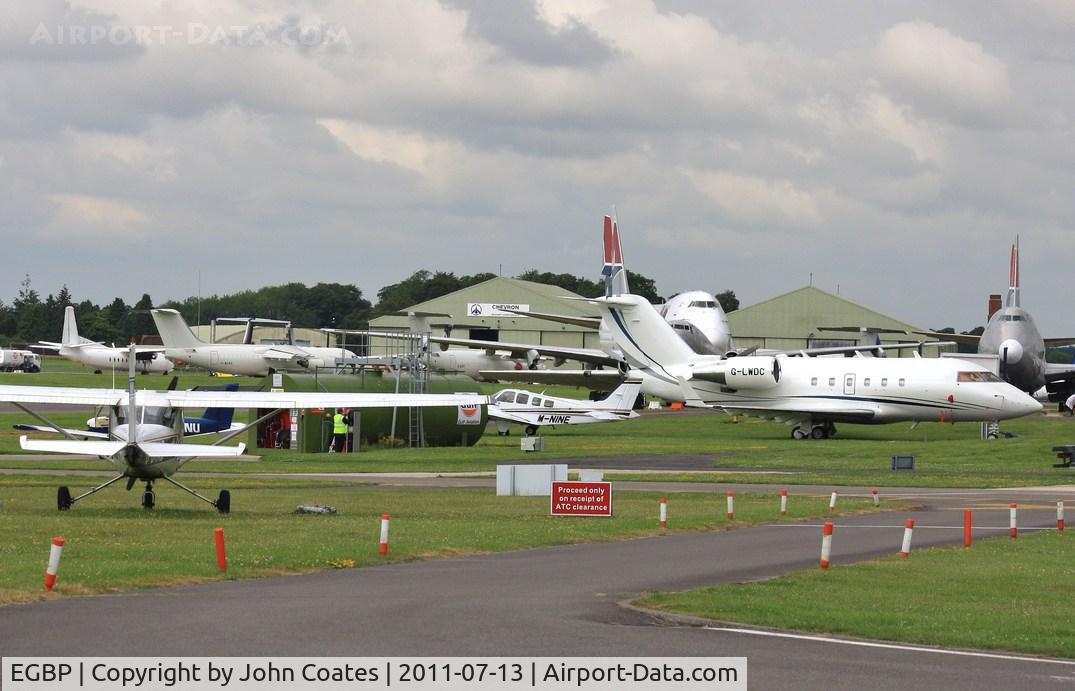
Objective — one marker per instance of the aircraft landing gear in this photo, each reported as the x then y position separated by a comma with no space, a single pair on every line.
531,430
149,499
818,432
63,498
223,502
798,433
822,430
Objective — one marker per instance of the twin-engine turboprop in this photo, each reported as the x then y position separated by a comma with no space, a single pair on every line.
147,427
148,359
810,393
538,410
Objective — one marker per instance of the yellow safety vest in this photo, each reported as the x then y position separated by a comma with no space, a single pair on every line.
339,425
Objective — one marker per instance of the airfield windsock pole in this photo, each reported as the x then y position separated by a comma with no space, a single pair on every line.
784,502
54,563
876,499
966,527
663,518
826,545
1059,515
832,502
908,528
731,506
1013,530
383,549
221,555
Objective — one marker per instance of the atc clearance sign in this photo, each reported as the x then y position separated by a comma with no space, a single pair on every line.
581,499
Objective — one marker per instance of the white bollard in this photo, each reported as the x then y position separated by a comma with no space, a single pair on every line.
383,549
54,563
826,545
731,506
784,502
664,513
905,550
1059,515
832,502
1013,530
876,499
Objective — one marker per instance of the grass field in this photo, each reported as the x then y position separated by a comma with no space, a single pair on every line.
114,545
1001,594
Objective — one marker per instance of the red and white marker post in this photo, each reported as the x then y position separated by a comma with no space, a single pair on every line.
876,499
826,545
784,502
383,549
221,555
1013,529
731,506
832,502
966,528
1059,515
54,563
664,514
908,528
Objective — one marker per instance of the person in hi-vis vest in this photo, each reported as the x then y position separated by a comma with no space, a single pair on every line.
339,432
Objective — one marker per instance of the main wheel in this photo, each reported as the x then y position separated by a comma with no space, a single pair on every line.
531,430
63,498
798,433
149,500
818,432
223,501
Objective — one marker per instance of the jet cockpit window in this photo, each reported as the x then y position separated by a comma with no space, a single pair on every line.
506,396
548,403
978,377
1013,317
709,304
522,398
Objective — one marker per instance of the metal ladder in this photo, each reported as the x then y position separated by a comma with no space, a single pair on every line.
418,369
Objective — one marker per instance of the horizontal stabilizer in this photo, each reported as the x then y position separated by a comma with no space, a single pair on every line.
163,450
73,432
93,447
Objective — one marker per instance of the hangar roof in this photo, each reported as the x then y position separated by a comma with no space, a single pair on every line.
535,297
801,312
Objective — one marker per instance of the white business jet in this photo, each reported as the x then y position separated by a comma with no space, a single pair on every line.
538,410
147,427
812,394
148,359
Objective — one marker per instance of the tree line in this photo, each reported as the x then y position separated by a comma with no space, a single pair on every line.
30,318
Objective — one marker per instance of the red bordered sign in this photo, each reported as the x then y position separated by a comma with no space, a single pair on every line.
581,499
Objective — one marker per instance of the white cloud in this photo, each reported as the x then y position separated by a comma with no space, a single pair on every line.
88,219
755,200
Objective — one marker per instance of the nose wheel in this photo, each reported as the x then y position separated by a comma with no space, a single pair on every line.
149,499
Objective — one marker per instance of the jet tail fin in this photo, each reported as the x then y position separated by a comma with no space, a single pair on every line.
69,336
644,337
613,270
221,417
174,330
623,398
1012,299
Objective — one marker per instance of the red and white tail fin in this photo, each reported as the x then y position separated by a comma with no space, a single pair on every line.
614,272
1012,299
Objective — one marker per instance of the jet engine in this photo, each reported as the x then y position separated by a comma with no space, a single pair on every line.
750,372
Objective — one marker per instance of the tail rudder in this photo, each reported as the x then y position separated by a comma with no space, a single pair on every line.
174,330
613,270
644,337
623,398
69,337
221,418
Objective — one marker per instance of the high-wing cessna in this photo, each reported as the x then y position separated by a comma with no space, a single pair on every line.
235,358
1012,336
146,427
101,357
812,394
538,410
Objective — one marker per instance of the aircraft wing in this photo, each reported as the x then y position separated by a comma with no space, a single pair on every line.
93,447
165,450
962,339
837,350
585,322
793,410
1058,342
315,399
283,354
496,413
598,379
521,350
84,433
1059,372
64,395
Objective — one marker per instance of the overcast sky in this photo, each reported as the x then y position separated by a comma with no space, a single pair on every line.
892,150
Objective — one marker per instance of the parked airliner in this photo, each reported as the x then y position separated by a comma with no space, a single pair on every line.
148,359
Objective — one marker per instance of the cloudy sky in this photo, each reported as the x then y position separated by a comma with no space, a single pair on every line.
891,150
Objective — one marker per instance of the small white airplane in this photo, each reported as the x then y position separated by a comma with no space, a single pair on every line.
149,359
538,410
810,393
238,358
146,428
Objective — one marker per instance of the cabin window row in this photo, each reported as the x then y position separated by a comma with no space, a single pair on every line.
865,382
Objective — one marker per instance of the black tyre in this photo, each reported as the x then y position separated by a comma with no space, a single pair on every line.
818,432
798,433
223,501
531,430
149,500
63,498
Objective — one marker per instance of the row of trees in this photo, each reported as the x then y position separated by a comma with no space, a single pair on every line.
29,318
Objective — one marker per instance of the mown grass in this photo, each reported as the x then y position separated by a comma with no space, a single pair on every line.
115,545
947,455
1001,594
